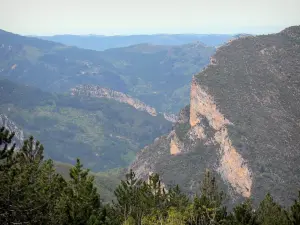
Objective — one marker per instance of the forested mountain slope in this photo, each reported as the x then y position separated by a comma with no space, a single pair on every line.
104,133
243,122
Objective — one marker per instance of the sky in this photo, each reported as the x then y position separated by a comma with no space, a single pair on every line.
112,17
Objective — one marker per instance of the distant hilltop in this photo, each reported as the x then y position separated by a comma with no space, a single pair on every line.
101,92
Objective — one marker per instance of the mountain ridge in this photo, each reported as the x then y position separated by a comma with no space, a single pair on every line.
101,92
242,122
140,71
101,43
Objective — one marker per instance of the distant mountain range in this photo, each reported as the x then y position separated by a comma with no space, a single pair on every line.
158,75
100,42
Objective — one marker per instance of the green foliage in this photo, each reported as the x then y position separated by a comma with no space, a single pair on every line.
32,192
176,217
181,130
28,186
79,200
129,195
129,221
270,213
208,208
177,199
106,182
295,211
6,151
72,127
243,214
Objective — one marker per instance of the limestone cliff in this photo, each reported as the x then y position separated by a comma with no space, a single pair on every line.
242,122
101,92
232,166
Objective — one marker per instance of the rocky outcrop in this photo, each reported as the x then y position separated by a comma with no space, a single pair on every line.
184,115
143,164
232,166
101,92
12,127
242,122
202,104
170,117
176,146
14,66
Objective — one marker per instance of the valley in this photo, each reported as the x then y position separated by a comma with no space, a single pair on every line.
89,104
71,127
175,110
149,112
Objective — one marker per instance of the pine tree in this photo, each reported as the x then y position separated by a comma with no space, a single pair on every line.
177,199
295,211
158,195
129,198
29,187
31,192
243,214
79,202
5,164
157,198
108,215
31,152
6,152
270,213
207,208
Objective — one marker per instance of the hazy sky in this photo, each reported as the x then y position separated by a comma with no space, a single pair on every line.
45,17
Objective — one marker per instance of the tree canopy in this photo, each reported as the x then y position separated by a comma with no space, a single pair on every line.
32,192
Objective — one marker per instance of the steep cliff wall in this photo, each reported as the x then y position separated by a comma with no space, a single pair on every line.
202,104
232,166
242,122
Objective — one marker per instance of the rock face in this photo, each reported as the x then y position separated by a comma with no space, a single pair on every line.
243,122
101,92
170,117
12,127
232,166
